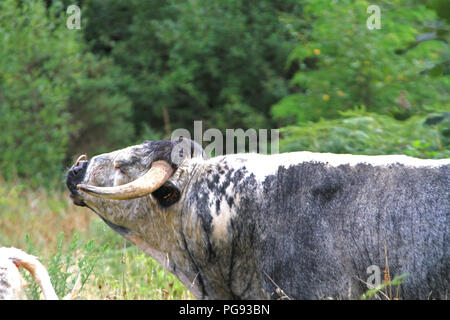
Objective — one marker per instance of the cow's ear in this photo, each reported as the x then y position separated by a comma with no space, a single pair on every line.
167,194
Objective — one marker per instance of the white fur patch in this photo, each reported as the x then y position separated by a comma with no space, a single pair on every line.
264,165
221,220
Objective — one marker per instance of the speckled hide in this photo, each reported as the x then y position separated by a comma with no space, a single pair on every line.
241,226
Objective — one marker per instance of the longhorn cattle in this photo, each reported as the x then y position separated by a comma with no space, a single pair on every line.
300,225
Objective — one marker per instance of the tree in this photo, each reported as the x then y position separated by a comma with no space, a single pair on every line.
53,95
344,64
223,62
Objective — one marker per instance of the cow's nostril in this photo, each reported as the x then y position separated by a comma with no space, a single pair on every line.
77,170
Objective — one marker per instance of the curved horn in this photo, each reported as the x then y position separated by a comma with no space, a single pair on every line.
159,172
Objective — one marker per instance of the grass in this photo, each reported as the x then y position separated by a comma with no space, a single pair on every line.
72,242
385,289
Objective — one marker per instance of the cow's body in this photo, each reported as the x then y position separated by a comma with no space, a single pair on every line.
306,223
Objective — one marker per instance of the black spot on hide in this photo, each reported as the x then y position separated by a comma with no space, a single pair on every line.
326,191
217,206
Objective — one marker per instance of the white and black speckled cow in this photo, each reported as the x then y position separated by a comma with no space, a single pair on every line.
245,226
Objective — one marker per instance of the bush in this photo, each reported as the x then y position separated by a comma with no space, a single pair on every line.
221,62
343,63
52,94
362,132
69,267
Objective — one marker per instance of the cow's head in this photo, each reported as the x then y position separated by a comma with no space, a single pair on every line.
124,187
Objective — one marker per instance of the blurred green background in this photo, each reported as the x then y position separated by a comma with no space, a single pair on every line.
137,70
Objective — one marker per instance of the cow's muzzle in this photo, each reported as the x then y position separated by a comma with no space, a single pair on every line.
74,177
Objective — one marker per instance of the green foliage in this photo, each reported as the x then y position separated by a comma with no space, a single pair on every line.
222,62
52,94
397,281
66,265
101,116
442,8
362,132
343,63
128,273
125,272
33,91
